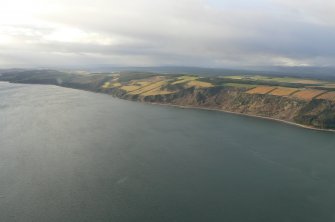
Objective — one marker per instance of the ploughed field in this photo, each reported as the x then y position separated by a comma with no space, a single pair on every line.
309,102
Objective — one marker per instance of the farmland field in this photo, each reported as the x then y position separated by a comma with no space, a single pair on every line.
156,91
184,79
283,91
261,90
130,88
327,96
116,84
106,85
302,89
307,94
275,79
199,84
148,87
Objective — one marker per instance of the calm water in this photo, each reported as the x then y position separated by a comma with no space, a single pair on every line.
69,155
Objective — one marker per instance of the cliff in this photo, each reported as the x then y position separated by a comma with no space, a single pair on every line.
314,113
307,102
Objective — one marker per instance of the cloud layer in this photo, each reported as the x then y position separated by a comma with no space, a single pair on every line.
218,33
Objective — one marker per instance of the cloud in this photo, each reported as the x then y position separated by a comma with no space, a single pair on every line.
311,11
166,32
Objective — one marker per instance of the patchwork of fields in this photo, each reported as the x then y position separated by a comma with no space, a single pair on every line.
261,90
283,91
156,85
308,94
302,94
305,101
327,96
303,89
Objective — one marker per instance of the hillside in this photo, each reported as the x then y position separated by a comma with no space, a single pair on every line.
308,102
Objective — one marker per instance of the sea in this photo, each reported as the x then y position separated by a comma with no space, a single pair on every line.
70,155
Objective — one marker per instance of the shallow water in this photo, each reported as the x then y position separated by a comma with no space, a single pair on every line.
70,155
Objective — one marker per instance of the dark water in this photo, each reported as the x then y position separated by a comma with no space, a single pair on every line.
68,155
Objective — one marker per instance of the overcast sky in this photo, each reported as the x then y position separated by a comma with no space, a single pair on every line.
211,33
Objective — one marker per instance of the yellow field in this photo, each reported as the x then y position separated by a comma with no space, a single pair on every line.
106,85
199,84
155,92
328,96
116,84
184,79
141,83
130,88
148,88
283,91
261,90
135,85
307,94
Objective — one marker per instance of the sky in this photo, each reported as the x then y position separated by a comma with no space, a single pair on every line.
208,33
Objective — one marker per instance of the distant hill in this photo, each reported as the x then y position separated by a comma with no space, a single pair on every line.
325,73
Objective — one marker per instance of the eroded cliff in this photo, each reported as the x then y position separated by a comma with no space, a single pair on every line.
306,102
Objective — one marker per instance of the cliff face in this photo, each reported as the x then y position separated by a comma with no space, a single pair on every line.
307,108
315,113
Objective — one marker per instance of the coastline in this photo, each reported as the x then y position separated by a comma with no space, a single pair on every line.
200,108
244,114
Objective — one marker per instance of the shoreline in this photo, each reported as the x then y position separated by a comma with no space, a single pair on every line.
243,114
199,108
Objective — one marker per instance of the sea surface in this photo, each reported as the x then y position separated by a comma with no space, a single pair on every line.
69,155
